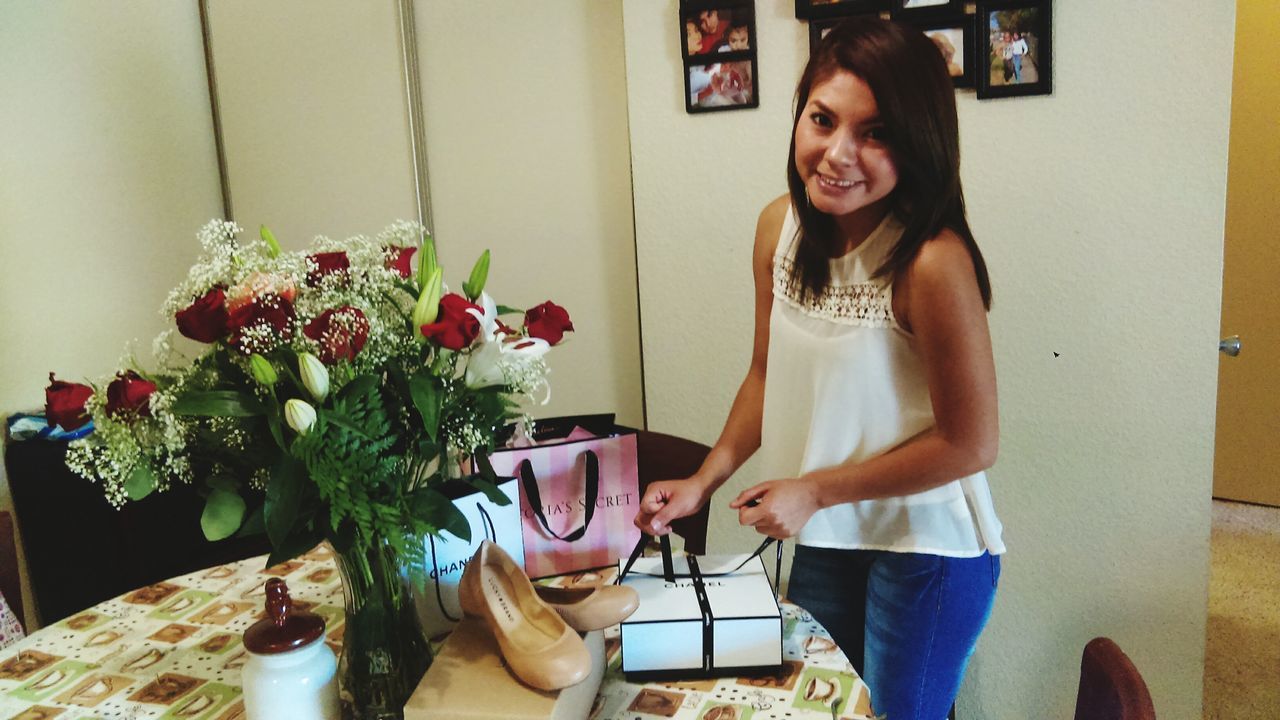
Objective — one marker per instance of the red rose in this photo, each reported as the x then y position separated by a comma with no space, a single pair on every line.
454,328
326,264
258,326
129,394
400,259
206,318
341,333
64,403
548,321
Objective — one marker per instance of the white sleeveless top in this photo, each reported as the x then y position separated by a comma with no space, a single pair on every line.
844,383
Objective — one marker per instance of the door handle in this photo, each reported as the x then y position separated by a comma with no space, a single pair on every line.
1230,346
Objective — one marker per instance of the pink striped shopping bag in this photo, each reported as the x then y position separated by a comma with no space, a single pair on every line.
578,497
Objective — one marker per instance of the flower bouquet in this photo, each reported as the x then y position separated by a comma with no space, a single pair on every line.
334,392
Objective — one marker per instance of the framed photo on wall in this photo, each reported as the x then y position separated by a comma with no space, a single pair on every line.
955,40
711,28
911,10
718,42
728,85
820,9
1016,48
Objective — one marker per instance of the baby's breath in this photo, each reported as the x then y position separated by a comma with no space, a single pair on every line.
259,479
403,233
261,338
215,267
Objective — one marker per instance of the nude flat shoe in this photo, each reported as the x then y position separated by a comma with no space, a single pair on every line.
539,647
591,608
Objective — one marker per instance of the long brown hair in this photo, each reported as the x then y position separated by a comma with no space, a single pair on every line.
914,92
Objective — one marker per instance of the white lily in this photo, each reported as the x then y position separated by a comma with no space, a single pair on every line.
488,317
500,361
300,415
315,376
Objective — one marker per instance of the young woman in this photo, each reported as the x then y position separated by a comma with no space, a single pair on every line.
871,390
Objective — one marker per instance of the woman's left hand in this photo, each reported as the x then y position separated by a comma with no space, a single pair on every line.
777,508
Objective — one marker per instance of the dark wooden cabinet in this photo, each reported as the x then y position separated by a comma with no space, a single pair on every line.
81,551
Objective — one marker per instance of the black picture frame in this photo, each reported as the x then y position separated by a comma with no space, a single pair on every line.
1030,21
958,36
919,10
735,17
720,85
722,74
823,9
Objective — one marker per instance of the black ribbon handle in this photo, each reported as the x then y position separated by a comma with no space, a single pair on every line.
668,564
529,483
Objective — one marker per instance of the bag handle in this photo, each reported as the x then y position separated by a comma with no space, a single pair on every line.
435,574
529,483
490,532
668,563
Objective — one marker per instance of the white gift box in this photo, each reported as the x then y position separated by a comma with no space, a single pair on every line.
717,615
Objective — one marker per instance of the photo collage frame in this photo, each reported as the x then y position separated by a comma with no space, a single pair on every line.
718,45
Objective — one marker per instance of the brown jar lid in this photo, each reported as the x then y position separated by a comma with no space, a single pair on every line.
284,628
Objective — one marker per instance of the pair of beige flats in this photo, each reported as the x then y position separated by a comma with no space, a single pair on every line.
537,627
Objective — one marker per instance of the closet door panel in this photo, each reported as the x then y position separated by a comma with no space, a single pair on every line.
314,118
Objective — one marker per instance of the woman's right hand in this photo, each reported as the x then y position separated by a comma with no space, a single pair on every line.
668,500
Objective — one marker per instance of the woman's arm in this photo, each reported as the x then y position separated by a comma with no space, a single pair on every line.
668,500
945,313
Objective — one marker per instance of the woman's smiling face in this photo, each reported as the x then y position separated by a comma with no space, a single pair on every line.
841,153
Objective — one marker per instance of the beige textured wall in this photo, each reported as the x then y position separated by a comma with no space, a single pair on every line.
314,119
107,170
526,123
1100,210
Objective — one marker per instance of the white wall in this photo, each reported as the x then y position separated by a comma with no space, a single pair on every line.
314,117
107,170
1100,210
526,123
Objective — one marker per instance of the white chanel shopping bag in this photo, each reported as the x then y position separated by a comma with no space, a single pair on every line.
447,556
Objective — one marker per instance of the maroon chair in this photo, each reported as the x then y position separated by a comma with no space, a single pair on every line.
10,587
1111,688
665,457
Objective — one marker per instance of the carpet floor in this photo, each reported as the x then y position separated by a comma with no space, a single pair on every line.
1242,653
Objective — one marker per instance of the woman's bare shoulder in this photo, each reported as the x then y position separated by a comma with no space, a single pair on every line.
941,268
942,258
769,226
774,213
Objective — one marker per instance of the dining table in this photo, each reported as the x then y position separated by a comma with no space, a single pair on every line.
174,650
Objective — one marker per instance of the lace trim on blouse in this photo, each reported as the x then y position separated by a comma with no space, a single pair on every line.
867,304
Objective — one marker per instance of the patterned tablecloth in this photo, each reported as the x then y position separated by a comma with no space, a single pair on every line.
173,650
10,629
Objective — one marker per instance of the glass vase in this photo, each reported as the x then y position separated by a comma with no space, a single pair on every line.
384,650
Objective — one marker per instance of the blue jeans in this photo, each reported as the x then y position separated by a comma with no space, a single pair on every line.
908,622
1017,68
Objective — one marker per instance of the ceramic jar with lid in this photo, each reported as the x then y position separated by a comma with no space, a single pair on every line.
291,672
